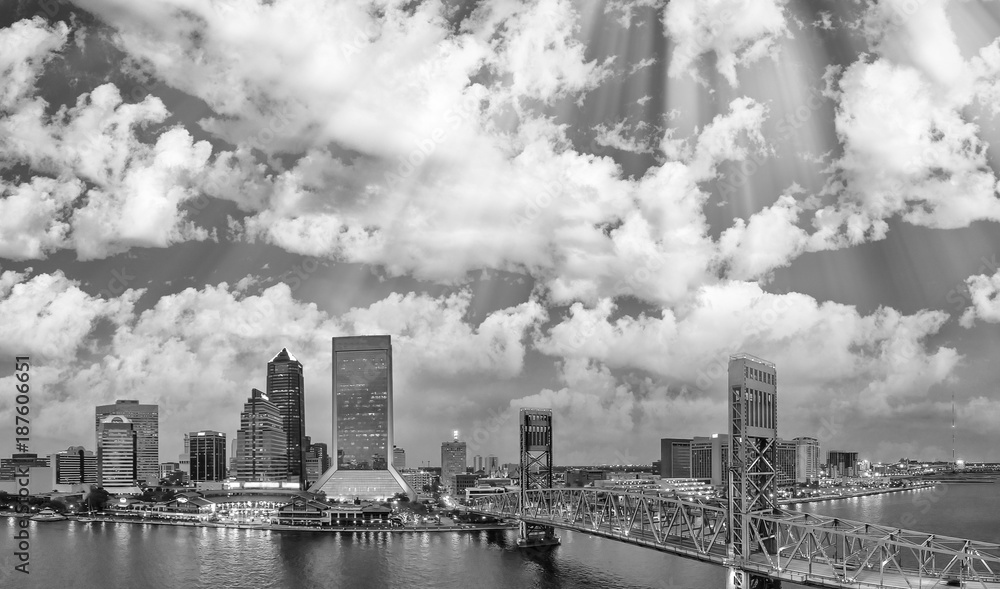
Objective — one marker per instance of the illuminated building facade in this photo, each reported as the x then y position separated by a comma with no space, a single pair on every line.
362,422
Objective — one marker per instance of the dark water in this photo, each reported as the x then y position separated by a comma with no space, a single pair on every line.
74,555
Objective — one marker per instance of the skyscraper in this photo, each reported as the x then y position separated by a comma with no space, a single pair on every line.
492,465
74,465
807,452
362,422
117,453
208,456
785,457
317,461
675,458
398,458
184,460
286,389
261,444
145,418
453,462
710,459
477,463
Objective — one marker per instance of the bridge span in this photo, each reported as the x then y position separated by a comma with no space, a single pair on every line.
808,549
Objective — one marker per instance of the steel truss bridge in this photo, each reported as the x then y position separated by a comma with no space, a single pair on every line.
808,549
759,543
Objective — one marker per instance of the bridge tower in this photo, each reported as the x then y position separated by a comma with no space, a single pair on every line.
752,474
536,472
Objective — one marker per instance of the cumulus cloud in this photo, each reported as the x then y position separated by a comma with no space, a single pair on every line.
908,149
985,294
198,352
739,32
879,359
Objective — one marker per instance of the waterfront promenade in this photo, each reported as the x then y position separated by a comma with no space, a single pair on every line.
854,494
276,527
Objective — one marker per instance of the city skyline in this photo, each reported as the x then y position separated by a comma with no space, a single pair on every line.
583,206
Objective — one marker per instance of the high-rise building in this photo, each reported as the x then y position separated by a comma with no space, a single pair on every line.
184,460
362,422
492,465
208,456
8,466
117,453
168,468
807,453
74,465
286,389
710,459
478,464
453,462
317,460
145,418
398,458
262,453
842,464
675,458
785,452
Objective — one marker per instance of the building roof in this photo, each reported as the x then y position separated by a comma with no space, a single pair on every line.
284,356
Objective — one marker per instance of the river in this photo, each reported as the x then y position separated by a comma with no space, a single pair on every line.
76,555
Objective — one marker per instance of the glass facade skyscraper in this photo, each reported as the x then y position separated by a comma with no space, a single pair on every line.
145,418
208,456
286,389
362,422
261,450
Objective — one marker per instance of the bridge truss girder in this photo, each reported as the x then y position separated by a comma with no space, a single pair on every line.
808,548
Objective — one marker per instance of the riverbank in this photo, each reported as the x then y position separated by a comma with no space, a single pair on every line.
276,527
855,494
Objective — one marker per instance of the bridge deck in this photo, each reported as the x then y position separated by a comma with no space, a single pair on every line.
809,544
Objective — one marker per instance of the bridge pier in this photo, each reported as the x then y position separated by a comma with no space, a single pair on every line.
536,536
740,579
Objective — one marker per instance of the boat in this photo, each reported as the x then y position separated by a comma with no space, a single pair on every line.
47,515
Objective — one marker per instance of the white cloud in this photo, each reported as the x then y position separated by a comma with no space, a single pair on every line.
740,32
985,293
198,352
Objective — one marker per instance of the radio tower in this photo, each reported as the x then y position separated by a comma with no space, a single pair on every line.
954,465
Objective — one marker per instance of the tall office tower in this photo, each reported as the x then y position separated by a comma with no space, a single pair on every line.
710,459
145,418
398,458
286,389
842,464
453,462
786,453
261,442
362,422
317,461
184,460
807,462
208,456
492,465
118,453
478,463
74,465
675,458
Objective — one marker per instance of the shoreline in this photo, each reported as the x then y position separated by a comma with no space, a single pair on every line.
853,495
273,527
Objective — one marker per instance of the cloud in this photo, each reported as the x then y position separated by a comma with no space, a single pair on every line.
740,32
824,350
198,352
985,294
25,46
907,152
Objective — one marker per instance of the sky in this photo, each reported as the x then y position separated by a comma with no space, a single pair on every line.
586,206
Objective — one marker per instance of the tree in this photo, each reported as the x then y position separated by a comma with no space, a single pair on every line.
96,498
